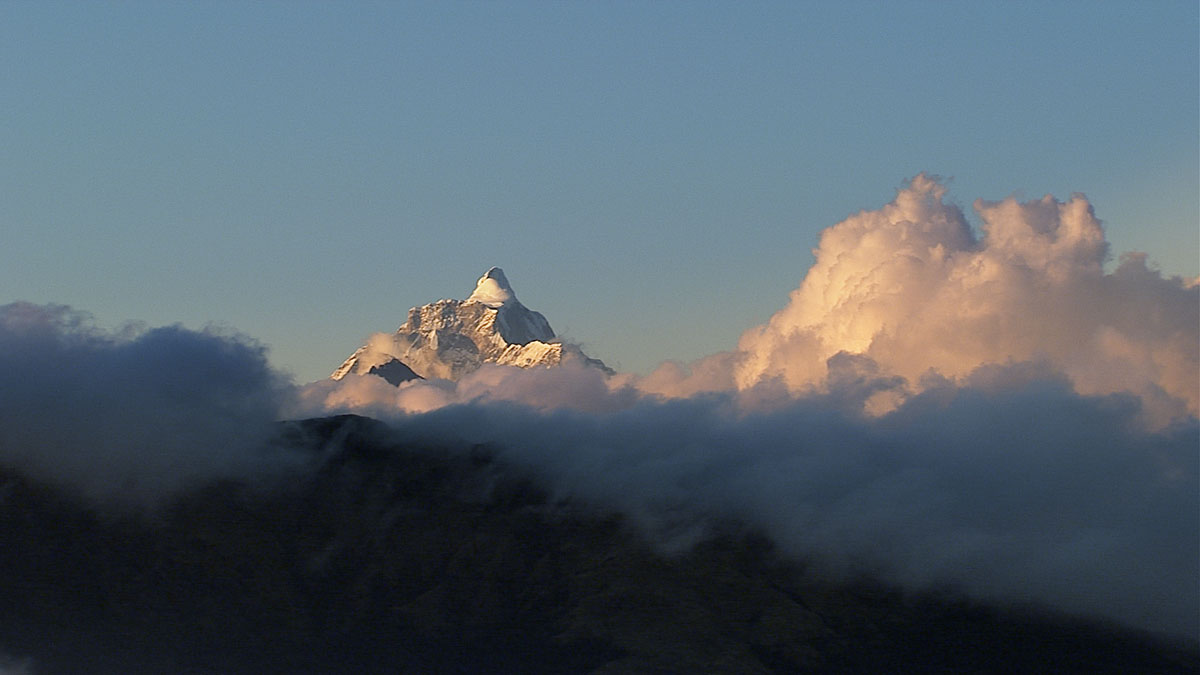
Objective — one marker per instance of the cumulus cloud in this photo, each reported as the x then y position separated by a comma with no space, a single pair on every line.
911,288
131,415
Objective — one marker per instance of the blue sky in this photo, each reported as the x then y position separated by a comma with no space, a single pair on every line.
652,176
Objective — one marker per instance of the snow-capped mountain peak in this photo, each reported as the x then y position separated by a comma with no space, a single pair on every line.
450,338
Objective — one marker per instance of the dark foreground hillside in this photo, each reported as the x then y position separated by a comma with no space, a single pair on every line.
388,559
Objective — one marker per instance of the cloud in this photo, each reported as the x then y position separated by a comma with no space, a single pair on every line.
709,374
571,384
132,415
1012,490
911,288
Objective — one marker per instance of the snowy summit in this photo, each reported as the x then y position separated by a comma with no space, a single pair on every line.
450,338
493,289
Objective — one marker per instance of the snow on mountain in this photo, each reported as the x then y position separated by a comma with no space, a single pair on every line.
450,338
493,289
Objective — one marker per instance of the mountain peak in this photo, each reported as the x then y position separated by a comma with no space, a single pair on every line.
493,289
450,338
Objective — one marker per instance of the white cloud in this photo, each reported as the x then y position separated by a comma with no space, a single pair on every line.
910,287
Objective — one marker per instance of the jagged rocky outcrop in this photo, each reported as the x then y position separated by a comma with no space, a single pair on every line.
450,338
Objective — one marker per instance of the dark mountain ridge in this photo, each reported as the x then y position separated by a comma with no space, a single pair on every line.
385,557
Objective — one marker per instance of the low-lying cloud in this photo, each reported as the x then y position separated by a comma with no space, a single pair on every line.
129,415
1013,488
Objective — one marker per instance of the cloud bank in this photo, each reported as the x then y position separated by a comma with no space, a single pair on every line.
132,415
1019,494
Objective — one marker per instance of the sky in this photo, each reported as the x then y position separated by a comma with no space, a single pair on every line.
652,176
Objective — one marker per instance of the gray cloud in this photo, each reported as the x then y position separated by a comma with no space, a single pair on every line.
1015,493
130,415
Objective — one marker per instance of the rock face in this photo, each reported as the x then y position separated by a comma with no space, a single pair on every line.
450,338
